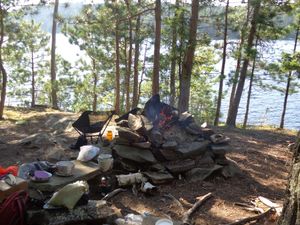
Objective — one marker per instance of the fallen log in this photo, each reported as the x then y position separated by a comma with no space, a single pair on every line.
113,193
185,203
266,214
200,200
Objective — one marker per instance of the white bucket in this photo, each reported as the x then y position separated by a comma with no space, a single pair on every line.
105,162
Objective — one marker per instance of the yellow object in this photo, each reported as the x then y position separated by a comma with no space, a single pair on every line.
109,135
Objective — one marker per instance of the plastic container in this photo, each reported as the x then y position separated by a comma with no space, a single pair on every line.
109,135
105,162
164,222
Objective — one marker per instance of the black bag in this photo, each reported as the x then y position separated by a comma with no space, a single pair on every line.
81,140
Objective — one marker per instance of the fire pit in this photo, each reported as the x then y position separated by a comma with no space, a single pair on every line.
165,143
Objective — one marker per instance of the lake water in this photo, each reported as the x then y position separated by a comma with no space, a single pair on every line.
265,106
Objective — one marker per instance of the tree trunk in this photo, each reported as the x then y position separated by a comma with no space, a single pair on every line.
288,83
53,61
2,69
136,61
181,48
238,64
220,93
143,72
156,60
95,86
129,64
173,57
291,210
117,79
231,119
32,80
250,90
185,80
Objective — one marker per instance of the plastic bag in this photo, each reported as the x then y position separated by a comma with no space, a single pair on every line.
88,152
130,179
69,195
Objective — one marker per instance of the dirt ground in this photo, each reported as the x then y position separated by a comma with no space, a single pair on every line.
262,155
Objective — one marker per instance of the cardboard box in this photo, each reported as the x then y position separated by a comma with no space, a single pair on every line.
6,189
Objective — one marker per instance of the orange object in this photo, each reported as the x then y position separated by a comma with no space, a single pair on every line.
109,135
11,169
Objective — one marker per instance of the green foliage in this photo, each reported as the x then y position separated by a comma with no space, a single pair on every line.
28,59
202,91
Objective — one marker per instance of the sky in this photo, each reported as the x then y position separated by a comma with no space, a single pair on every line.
232,2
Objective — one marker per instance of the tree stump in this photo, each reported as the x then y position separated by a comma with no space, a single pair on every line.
291,211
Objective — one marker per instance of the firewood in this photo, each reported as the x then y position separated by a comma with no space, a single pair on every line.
185,203
200,201
175,200
113,193
266,214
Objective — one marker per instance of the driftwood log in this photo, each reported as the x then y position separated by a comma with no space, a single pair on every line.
200,200
291,209
244,221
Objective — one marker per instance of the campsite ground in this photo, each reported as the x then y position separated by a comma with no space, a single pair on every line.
262,155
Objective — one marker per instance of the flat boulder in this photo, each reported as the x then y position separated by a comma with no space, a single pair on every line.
200,174
130,135
180,166
169,154
159,177
192,149
134,154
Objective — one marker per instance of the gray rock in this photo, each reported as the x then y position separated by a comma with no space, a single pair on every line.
220,149
221,160
61,125
145,145
192,149
159,177
156,137
180,166
121,141
185,116
175,133
135,154
130,135
170,145
193,128
200,174
170,154
219,138
36,140
156,167
205,160
55,154
231,169
207,132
